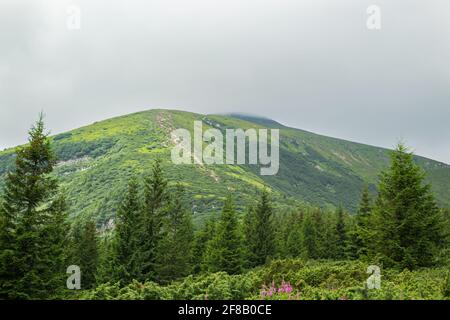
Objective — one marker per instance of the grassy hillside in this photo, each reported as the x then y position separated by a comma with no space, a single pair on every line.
96,162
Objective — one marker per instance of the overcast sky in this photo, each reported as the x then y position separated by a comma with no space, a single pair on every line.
310,64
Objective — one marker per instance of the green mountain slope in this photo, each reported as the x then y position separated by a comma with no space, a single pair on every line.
96,162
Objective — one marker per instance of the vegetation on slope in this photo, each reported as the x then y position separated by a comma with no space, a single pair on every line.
152,252
97,161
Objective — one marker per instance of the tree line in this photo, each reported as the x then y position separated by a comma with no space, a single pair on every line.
154,239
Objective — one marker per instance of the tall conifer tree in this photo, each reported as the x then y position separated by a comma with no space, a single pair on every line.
360,233
264,237
155,200
224,252
201,240
309,241
408,226
126,253
85,253
174,250
341,234
32,241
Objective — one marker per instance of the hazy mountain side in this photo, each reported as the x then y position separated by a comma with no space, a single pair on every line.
97,160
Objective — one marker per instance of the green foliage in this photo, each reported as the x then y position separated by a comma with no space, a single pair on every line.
201,239
155,202
310,280
260,236
341,233
360,233
153,235
33,216
409,228
174,251
150,251
225,251
84,252
309,239
80,149
290,235
98,160
126,254
107,267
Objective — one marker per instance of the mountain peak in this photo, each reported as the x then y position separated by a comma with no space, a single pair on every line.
256,119
100,158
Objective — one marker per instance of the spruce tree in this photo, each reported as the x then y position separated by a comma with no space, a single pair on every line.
309,238
174,250
326,234
360,233
321,223
106,269
264,237
56,249
408,225
294,239
224,251
125,244
89,255
201,240
341,234
84,252
365,205
32,213
250,238
155,199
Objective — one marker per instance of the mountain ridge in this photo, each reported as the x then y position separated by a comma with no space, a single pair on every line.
97,160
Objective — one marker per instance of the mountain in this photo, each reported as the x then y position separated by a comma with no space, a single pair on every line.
96,161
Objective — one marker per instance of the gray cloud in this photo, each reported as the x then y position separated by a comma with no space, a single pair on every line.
310,64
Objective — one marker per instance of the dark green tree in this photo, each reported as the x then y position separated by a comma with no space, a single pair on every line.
174,250
54,235
155,199
325,248
341,234
106,269
126,254
225,251
263,244
293,230
32,215
85,253
365,205
309,237
201,240
409,229
360,233
326,236
249,231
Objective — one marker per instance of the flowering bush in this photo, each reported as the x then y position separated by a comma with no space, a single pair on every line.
287,280
283,292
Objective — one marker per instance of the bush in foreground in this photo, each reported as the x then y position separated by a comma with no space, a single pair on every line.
300,280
